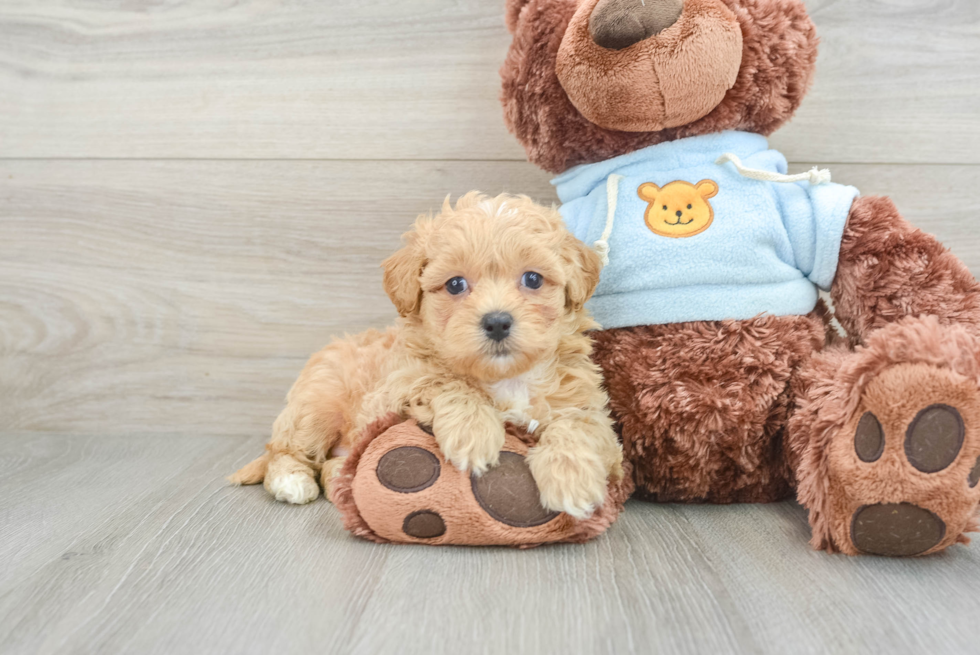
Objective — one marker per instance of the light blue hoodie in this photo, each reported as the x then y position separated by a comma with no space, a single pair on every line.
767,249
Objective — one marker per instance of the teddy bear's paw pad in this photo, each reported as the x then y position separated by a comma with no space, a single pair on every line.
424,524
896,530
402,489
907,468
408,469
869,439
934,438
509,494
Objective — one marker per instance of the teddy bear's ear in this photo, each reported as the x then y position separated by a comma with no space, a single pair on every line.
648,192
403,272
707,188
513,12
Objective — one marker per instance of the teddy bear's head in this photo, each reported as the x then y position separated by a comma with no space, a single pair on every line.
587,80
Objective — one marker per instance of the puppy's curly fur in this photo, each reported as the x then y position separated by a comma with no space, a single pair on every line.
440,367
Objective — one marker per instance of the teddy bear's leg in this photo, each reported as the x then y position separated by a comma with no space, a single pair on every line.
701,406
886,440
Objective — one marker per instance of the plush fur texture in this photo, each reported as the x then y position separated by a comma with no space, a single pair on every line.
667,81
702,406
746,411
373,512
890,269
440,367
904,368
779,51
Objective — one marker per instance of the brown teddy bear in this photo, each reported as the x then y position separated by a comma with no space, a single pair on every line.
724,380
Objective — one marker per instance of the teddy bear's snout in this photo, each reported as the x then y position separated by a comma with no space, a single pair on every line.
618,24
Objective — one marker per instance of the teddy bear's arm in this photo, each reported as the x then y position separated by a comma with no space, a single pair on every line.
888,269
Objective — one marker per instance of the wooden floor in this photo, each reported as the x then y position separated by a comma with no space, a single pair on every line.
195,195
134,544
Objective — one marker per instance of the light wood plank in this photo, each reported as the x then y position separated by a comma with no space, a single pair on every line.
157,297
160,305
798,600
135,545
897,81
940,200
152,552
161,297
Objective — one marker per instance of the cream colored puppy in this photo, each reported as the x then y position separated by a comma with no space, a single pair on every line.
492,329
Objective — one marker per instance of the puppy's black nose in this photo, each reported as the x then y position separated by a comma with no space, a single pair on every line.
497,325
679,214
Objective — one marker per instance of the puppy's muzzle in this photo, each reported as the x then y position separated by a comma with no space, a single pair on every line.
496,325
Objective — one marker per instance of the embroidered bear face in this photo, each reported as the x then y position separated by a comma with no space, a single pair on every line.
680,209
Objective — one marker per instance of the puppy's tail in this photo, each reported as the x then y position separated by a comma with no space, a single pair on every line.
251,473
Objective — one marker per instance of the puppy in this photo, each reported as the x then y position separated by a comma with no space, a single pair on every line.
490,295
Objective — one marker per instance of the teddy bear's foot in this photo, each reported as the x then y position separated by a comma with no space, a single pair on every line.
396,486
921,449
904,470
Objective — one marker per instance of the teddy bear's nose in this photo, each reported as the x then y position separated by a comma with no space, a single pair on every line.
618,24
679,213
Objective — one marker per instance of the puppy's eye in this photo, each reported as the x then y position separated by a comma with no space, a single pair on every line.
532,280
457,285
665,207
689,206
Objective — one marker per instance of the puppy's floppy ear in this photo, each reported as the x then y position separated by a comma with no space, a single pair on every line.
582,264
403,271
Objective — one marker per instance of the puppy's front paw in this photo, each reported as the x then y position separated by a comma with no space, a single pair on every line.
293,488
472,446
570,483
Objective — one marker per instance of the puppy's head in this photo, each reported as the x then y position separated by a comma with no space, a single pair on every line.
492,285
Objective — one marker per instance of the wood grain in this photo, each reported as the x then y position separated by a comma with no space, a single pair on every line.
796,600
135,545
897,81
157,297
184,297
195,195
